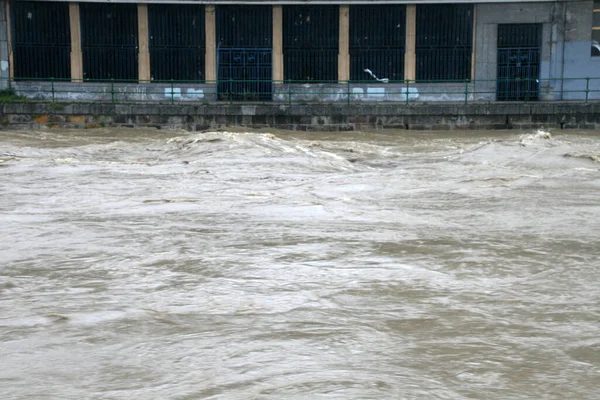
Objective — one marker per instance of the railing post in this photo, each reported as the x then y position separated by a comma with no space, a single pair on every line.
52,83
172,93
112,90
587,89
407,82
466,91
289,94
348,91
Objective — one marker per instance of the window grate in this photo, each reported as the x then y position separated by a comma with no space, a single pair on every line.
177,41
377,40
444,42
310,43
109,40
42,45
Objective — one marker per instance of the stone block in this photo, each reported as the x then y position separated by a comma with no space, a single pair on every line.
57,118
78,119
19,118
41,119
122,109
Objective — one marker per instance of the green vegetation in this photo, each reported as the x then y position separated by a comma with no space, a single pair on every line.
9,95
54,106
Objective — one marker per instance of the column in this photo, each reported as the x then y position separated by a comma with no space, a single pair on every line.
210,58
143,44
344,44
277,73
411,43
76,57
6,56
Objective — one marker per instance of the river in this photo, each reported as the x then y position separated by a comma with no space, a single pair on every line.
149,264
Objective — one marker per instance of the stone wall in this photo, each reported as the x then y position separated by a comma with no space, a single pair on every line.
180,92
115,92
194,93
318,117
376,92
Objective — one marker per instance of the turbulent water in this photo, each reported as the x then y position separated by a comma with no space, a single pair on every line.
278,265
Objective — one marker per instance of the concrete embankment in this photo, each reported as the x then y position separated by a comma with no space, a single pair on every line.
317,117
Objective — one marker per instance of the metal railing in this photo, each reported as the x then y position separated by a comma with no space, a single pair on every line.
302,92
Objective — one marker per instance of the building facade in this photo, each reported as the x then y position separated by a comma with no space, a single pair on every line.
302,50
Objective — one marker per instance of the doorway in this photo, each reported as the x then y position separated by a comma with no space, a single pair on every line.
519,50
244,53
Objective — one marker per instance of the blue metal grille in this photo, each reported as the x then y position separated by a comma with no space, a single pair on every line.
519,61
244,74
42,44
244,53
310,42
444,42
109,41
177,41
377,37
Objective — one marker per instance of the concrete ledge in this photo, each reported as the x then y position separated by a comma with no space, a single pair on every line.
318,117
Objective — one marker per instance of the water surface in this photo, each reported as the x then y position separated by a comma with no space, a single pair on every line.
146,264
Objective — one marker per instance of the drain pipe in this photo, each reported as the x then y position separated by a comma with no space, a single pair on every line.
564,44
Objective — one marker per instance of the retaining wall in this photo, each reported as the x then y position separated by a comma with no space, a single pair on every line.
318,117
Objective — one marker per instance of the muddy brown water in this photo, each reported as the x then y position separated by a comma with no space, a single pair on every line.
144,264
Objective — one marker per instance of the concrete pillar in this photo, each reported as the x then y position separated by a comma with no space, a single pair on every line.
143,44
210,57
344,44
474,44
76,57
277,72
410,72
6,57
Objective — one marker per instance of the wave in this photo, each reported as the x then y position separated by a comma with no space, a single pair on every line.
592,157
539,149
250,148
535,138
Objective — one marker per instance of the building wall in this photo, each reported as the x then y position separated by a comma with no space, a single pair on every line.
565,49
486,62
578,61
565,53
